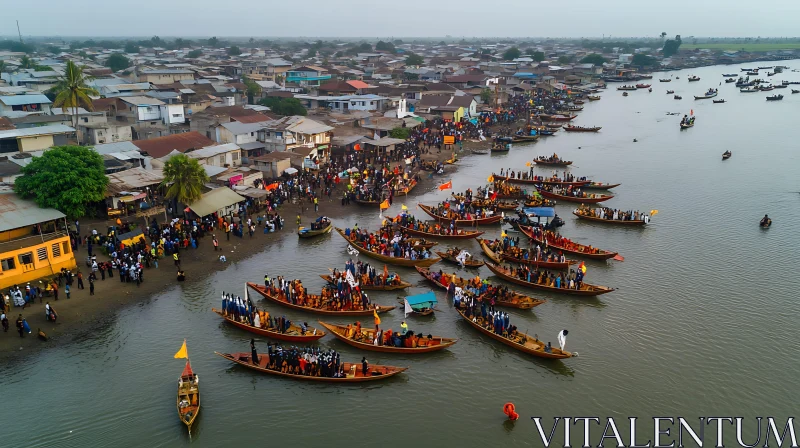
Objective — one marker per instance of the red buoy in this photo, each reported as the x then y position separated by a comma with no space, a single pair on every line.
509,410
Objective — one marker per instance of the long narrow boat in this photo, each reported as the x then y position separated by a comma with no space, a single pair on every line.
352,370
523,343
492,255
262,290
494,205
599,186
619,222
540,264
545,181
517,300
588,200
313,233
401,285
558,162
406,189
431,345
462,222
464,235
601,255
452,259
188,401
546,117
293,335
385,258
586,290
368,203
571,128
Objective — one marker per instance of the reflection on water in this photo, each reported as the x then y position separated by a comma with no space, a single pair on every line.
705,301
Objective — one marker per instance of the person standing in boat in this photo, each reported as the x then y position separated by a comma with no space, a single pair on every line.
253,351
364,364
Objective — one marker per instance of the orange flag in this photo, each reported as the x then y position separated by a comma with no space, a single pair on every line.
385,204
377,319
446,186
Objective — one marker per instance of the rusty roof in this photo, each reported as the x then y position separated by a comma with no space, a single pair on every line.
161,146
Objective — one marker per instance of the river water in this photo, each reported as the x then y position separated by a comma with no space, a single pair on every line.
703,323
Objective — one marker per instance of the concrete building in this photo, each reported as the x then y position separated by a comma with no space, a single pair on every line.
164,76
226,155
34,139
24,103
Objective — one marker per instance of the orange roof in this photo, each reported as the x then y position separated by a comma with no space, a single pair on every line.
359,84
161,146
255,118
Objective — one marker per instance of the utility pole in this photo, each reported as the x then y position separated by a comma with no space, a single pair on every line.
18,32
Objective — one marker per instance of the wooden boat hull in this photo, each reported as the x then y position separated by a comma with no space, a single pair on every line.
490,254
550,195
601,256
313,233
595,186
466,236
576,129
462,222
407,190
188,420
590,292
515,345
522,304
336,330
726,156
386,259
541,182
559,163
556,265
262,290
686,126
310,337
367,203
451,259
402,285
386,371
617,222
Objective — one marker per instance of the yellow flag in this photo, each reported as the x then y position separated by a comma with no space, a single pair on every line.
377,319
183,352
490,179
504,234
404,207
653,212
527,163
385,204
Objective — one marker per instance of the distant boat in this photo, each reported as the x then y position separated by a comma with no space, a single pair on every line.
729,75
678,97
665,80
710,94
719,101
670,92
694,78
726,155
775,98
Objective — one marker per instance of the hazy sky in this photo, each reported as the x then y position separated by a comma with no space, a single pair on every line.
412,18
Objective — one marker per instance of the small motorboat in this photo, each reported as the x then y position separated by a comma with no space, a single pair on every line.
694,78
730,80
624,93
718,101
765,222
664,80
642,86
670,92
678,97
775,98
795,91
650,90
728,75
726,155
749,90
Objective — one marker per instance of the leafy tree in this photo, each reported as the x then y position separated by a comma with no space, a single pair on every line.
234,51
671,46
26,62
2,66
53,49
385,46
181,43
156,41
253,89
414,59
643,60
594,58
67,178
117,62
403,133
339,54
16,46
312,52
184,178
194,54
131,48
284,106
564,59
213,42
663,35
486,95
43,68
511,54
72,90
364,48
398,41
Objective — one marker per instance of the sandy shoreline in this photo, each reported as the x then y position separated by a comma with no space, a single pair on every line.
76,314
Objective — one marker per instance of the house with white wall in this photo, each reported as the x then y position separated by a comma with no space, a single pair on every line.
226,155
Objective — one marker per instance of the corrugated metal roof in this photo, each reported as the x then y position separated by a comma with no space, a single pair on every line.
215,200
142,101
39,130
135,178
211,151
19,100
16,212
108,148
236,127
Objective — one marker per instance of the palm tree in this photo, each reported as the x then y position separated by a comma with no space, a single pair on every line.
184,178
72,90
26,62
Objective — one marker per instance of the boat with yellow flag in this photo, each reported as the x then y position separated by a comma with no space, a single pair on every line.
188,401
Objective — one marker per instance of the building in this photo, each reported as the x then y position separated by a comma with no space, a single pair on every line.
34,242
33,139
24,103
161,146
226,155
344,103
100,133
293,132
274,164
164,76
307,75
222,201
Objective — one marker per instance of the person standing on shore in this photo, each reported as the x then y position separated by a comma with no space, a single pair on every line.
177,260
66,289
216,243
4,321
91,286
20,327
80,281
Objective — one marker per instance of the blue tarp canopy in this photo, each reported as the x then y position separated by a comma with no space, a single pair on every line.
545,212
428,299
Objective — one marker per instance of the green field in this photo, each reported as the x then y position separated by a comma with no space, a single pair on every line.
744,46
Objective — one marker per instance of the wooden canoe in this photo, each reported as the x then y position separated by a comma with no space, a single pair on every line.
582,129
579,183
401,285
262,290
462,222
599,186
561,197
602,255
385,258
435,344
293,335
452,259
188,390
465,235
552,162
492,255
517,300
407,189
523,343
540,264
494,205
619,222
352,370
313,233
369,203
587,290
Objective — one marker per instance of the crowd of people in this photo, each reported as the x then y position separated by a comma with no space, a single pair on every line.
476,288
365,275
511,247
405,338
571,280
385,242
306,361
340,297
459,212
244,311
560,242
613,214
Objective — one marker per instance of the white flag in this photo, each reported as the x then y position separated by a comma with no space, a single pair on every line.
562,338
352,250
408,309
462,257
350,279
459,294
